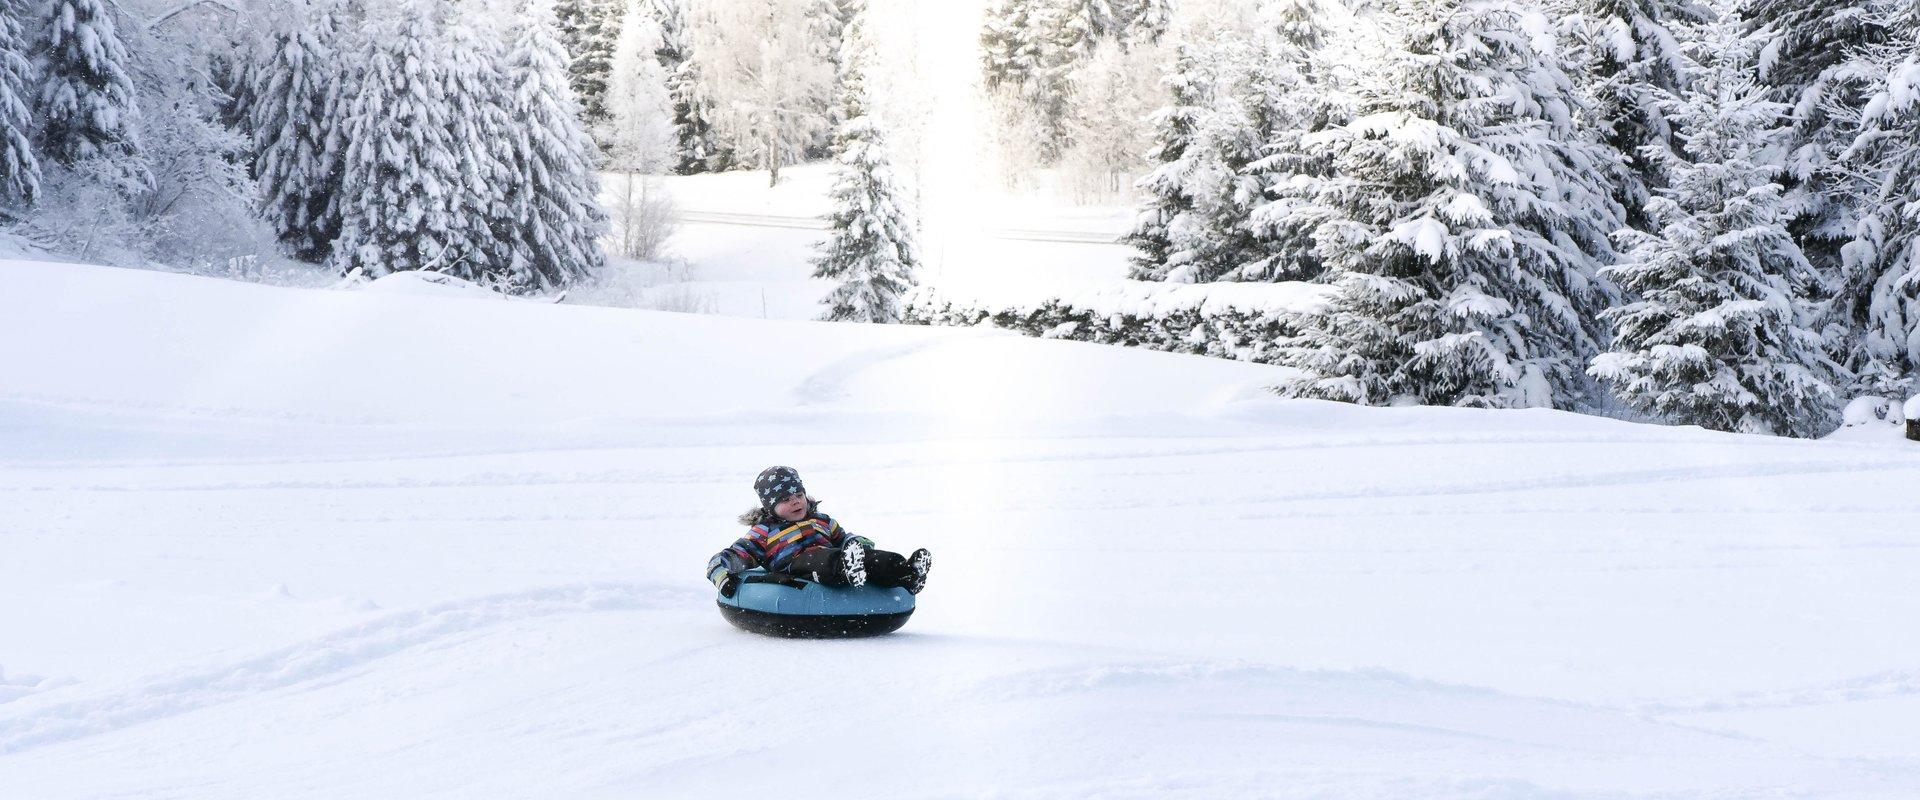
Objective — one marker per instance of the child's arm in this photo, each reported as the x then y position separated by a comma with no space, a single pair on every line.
745,554
840,536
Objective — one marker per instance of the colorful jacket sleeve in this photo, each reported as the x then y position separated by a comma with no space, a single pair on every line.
840,536
745,554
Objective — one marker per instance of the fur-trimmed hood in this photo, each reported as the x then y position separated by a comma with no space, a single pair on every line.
760,515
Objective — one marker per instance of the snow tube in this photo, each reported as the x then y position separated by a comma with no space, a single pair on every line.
782,605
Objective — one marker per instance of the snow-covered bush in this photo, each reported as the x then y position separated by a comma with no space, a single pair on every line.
643,217
1240,321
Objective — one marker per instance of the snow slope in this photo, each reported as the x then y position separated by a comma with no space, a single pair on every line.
264,542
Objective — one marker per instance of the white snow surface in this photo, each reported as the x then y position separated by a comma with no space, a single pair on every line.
268,542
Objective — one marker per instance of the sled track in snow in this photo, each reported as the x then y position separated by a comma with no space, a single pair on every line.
315,659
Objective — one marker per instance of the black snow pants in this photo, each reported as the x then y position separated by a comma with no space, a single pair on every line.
823,564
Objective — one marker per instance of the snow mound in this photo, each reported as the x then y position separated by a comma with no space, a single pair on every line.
1871,411
431,284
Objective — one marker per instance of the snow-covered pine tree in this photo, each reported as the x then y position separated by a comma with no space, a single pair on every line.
1213,240
1464,219
587,30
1716,336
1629,59
827,20
287,94
1290,92
639,133
19,167
398,168
1009,47
697,145
1030,52
343,27
481,132
232,75
1079,25
1877,305
1819,63
87,110
553,202
1143,21
1169,201
1262,97
871,252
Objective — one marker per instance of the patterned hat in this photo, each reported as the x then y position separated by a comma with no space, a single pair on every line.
776,484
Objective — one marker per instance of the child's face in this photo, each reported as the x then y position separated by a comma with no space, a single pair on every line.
792,509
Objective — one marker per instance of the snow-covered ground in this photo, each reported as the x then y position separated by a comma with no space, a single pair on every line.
260,542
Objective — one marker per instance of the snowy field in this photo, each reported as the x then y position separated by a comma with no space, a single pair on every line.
260,542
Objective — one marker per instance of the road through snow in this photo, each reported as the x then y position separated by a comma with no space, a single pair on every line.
278,543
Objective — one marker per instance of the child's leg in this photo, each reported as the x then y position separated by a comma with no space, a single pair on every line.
821,565
886,568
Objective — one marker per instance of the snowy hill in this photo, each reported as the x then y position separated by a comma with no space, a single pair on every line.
265,542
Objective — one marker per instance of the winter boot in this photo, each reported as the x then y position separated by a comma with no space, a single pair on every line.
920,562
853,564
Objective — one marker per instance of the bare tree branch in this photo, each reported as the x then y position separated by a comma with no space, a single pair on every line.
189,5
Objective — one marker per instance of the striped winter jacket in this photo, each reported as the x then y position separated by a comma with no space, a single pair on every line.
774,544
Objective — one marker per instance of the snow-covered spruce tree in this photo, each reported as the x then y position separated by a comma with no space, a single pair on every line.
639,132
1296,93
481,132
1009,49
1716,334
1818,61
587,30
287,91
1262,95
553,201
1168,198
1629,59
697,144
399,171
19,167
871,252
1143,21
1289,93
1030,52
1079,25
767,80
827,20
86,107
1464,220
1878,301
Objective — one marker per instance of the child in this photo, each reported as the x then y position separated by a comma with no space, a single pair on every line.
788,534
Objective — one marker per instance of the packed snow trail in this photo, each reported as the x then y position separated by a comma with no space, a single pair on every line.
279,543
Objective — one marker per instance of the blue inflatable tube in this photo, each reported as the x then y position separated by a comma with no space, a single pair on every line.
781,605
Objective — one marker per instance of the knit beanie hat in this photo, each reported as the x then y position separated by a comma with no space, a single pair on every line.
776,484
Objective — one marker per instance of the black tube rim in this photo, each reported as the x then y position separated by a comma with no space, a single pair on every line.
813,626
